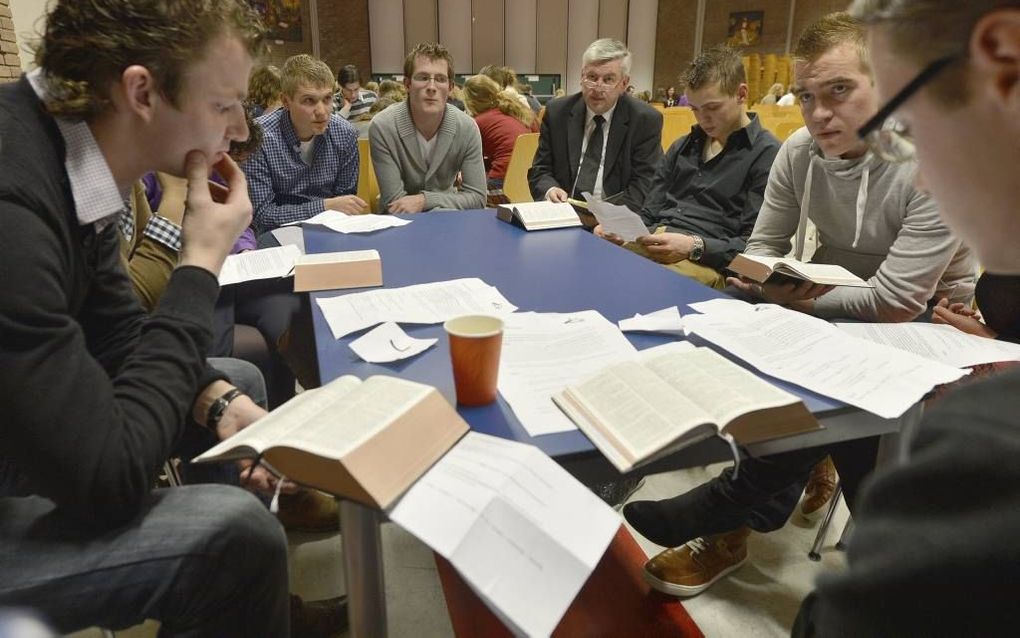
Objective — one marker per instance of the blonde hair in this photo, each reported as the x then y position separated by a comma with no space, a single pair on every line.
829,32
393,90
265,86
304,70
481,93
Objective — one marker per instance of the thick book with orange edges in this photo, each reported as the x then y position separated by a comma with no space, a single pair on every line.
782,269
366,441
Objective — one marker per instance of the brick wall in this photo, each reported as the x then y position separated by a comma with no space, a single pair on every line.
674,40
10,62
344,36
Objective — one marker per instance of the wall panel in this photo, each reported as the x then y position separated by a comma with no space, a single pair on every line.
455,32
521,43
551,44
421,23
386,23
613,16
641,21
487,32
582,30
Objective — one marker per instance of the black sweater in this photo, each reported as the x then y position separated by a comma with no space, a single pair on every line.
93,395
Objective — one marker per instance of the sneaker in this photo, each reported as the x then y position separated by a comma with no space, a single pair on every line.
309,510
690,569
820,487
317,618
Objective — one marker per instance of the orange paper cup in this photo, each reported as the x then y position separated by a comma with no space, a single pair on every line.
475,343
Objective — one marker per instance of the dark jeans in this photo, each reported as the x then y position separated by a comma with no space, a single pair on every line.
205,560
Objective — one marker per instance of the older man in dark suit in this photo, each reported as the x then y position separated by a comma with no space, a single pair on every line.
627,135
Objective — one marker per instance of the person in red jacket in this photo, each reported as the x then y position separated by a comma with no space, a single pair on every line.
501,119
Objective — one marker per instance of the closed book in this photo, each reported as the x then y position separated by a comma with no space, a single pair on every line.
333,271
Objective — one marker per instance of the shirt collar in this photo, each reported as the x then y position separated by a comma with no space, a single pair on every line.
95,193
590,115
747,136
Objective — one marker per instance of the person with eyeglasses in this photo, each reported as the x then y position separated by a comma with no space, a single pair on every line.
427,154
872,220
934,548
601,140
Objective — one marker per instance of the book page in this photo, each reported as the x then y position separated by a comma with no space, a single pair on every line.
490,501
544,213
264,263
717,385
637,408
339,257
282,422
937,342
618,219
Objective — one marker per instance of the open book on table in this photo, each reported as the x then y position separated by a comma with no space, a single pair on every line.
366,441
538,215
774,269
640,410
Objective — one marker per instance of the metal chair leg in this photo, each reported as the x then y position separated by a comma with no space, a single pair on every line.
173,477
844,538
815,553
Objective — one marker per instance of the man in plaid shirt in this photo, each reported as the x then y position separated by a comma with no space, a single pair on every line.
308,162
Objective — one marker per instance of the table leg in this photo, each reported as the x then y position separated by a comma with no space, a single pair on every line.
363,569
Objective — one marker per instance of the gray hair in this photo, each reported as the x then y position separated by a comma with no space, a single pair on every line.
607,50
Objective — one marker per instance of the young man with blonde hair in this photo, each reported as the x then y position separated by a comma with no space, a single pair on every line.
309,160
600,140
94,395
422,145
934,549
706,194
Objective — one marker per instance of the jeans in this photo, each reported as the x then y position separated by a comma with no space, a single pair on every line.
205,560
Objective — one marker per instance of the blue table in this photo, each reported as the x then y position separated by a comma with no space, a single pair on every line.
561,270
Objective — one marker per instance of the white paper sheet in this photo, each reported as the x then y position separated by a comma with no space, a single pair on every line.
521,531
421,303
388,343
721,305
666,321
290,236
264,263
343,223
617,219
816,355
940,343
545,352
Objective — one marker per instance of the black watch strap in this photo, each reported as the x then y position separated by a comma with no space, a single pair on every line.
219,406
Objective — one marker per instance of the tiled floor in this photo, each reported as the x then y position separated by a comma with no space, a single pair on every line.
760,599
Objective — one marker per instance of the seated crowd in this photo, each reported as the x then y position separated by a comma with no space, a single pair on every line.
112,311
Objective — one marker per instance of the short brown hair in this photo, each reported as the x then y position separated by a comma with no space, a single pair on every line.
265,86
304,70
87,45
719,64
432,51
829,32
944,26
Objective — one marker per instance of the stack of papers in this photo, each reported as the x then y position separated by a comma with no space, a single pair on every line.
941,343
816,355
265,263
421,303
343,223
521,531
545,352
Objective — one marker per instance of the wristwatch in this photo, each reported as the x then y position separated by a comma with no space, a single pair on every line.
698,250
219,406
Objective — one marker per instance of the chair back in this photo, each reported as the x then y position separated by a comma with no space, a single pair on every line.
676,122
515,183
368,187
783,130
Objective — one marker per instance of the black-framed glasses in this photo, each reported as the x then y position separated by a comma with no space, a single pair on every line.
888,137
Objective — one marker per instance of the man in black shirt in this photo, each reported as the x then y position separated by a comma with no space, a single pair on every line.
707,191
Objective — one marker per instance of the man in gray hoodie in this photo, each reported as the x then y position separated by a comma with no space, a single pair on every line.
871,220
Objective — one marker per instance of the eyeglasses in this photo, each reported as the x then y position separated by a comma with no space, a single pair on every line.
595,82
425,78
888,137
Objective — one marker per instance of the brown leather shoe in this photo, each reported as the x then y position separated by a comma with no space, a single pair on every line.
317,618
690,569
309,510
820,487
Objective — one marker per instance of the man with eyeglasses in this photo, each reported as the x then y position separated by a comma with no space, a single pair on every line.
421,146
600,140
934,549
872,220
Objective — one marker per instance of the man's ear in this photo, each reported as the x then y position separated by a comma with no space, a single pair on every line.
995,52
137,90
285,101
742,91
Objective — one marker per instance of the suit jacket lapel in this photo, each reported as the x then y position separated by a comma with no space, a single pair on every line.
617,133
575,135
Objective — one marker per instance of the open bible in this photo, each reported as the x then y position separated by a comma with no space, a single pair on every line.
366,441
776,269
639,410
538,215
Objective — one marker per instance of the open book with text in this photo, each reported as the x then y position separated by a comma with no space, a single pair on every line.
640,410
773,269
538,215
366,441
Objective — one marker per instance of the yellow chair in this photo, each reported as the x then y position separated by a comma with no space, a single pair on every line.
515,183
676,122
368,187
783,130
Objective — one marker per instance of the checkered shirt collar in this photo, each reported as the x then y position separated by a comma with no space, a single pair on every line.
93,188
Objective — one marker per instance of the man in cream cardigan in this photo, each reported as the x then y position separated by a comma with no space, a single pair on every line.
420,146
